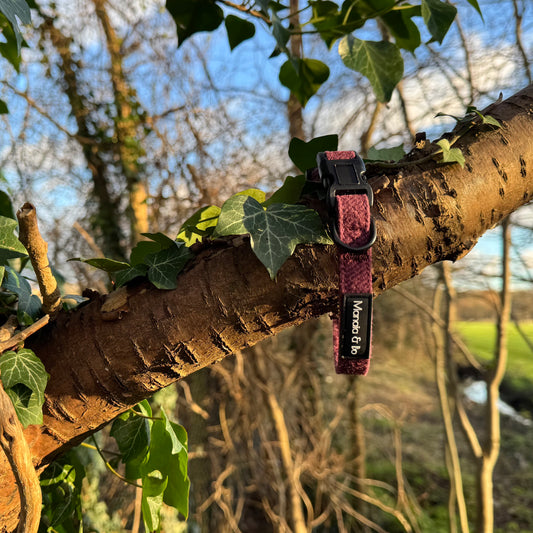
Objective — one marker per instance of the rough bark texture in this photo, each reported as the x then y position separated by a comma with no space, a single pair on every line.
115,351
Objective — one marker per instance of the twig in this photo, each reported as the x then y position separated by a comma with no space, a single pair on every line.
438,320
245,9
137,510
18,454
37,247
8,328
32,103
88,239
21,336
108,465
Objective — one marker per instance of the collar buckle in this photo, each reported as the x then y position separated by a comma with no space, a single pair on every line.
345,176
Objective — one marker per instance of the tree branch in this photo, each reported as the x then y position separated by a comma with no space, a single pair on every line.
37,247
101,364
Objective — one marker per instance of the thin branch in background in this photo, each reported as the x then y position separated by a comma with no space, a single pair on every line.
522,333
366,137
405,114
88,239
519,44
491,446
468,63
33,104
137,510
245,9
438,320
286,456
442,353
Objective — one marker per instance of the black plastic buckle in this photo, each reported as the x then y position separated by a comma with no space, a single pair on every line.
345,176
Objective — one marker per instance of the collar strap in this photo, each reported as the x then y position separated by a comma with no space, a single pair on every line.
349,198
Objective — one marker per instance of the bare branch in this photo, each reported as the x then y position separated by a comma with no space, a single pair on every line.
20,337
37,247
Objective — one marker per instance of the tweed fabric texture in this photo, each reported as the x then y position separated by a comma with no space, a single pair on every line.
355,270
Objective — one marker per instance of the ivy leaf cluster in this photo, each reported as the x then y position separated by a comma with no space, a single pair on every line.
379,61
154,450
61,486
23,375
160,259
276,225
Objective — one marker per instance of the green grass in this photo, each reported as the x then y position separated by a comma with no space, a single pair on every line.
480,337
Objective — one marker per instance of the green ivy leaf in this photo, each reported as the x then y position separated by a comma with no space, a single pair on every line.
239,30
9,49
61,486
485,119
6,207
274,231
27,406
142,249
289,193
381,62
303,154
102,263
132,434
305,80
438,17
124,276
29,305
449,154
154,485
3,106
168,453
256,194
193,16
55,473
403,29
394,153
164,266
24,379
281,34
199,225
475,5
2,272
164,240
332,23
12,9
10,246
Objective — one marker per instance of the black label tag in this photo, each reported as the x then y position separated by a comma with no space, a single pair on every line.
356,320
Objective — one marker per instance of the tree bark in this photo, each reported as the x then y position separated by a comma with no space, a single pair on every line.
104,358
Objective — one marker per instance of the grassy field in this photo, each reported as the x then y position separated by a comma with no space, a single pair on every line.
480,337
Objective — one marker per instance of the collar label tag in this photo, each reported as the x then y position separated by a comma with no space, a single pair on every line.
356,322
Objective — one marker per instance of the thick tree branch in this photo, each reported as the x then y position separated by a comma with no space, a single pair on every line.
105,357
